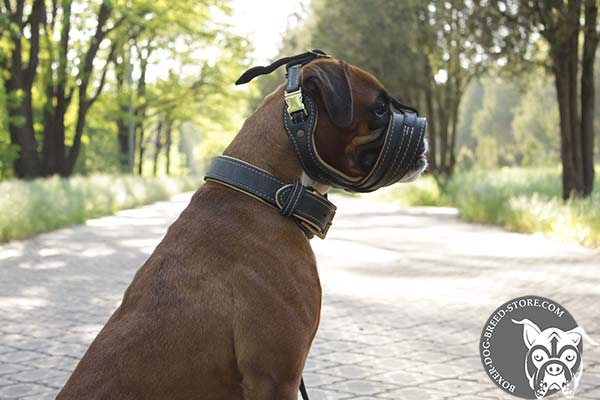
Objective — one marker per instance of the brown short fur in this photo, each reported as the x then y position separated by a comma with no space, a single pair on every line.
228,304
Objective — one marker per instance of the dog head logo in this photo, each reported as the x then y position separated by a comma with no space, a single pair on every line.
553,360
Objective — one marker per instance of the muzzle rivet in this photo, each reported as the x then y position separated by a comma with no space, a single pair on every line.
300,133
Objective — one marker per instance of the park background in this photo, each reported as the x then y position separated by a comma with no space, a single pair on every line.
106,105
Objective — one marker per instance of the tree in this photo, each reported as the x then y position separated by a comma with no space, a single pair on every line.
19,68
60,88
494,120
56,61
511,28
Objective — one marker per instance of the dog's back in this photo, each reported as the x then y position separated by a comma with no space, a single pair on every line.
190,323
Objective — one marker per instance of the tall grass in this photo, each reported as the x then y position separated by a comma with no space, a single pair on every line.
41,205
422,192
524,200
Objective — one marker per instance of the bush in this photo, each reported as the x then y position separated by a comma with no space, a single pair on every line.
519,199
422,192
526,200
41,205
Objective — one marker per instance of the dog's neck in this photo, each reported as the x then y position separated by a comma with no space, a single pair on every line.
263,142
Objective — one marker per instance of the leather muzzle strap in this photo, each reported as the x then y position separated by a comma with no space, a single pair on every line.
312,211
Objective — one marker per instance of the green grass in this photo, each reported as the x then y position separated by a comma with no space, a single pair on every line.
524,200
422,192
41,205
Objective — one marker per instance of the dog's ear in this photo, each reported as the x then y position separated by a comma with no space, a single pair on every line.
577,333
530,331
329,80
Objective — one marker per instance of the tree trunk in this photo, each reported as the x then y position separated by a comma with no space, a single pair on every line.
85,74
442,131
140,112
123,100
431,117
588,95
23,135
19,84
157,147
168,143
563,38
141,149
452,147
566,143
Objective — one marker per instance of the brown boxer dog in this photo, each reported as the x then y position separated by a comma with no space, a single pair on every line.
228,304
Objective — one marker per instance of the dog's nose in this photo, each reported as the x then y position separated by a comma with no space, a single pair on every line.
554,369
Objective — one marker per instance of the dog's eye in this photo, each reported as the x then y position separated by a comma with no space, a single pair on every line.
380,110
538,357
570,357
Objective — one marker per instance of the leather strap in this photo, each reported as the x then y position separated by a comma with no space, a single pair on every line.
293,78
399,151
311,210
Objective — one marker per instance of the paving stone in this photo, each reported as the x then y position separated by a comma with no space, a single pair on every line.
313,380
406,292
21,390
414,394
322,394
35,375
350,371
11,368
18,356
456,386
359,387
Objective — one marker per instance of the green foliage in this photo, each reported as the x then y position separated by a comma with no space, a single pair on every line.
487,152
423,192
526,200
45,204
8,151
173,62
509,123
519,199
492,123
536,123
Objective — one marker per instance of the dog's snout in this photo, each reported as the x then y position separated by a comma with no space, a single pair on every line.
422,147
554,369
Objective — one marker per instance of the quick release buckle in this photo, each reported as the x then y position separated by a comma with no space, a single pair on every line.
294,102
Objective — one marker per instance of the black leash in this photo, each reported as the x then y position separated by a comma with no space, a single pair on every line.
303,391
299,59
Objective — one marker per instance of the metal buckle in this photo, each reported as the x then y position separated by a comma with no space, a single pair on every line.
313,228
315,231
294,102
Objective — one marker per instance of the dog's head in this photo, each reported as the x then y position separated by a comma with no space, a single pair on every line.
553,360
355,112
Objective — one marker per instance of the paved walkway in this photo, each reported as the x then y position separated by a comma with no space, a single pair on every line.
406,294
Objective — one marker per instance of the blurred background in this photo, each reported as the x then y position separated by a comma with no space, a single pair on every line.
109,104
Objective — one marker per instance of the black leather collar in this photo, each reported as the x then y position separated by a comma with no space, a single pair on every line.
311,210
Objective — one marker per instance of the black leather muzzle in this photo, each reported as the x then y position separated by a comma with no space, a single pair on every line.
399,152
403,138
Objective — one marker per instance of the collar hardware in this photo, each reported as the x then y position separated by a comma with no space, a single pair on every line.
294,103
311,211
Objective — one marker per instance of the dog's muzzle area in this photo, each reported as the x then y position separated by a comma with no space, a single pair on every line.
397,154
420,164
